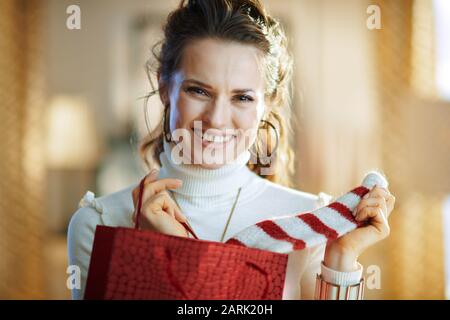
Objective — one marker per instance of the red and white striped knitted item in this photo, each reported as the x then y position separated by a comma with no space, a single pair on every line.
308,229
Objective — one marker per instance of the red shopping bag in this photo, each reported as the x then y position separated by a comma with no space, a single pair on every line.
129,263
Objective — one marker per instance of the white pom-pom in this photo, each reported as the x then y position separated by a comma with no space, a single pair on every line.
375,178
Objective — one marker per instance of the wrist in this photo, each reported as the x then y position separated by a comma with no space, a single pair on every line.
340,258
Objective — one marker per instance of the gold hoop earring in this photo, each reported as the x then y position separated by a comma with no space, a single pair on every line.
166,133
277,136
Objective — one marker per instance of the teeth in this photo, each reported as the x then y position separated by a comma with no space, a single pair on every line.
215,138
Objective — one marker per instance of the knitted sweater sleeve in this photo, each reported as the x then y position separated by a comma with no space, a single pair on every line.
315,266
80,238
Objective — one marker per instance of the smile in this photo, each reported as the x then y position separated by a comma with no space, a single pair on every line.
214,139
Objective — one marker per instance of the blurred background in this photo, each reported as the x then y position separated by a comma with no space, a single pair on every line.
72,118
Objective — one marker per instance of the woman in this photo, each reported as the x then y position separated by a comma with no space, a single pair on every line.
223,77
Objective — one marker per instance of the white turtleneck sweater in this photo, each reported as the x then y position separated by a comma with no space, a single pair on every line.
206,198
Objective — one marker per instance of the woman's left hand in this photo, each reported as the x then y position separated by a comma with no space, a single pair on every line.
375,208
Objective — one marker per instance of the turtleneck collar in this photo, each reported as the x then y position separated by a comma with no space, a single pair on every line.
201,182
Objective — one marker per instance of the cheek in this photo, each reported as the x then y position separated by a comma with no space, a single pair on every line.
247,122
247,119
185,112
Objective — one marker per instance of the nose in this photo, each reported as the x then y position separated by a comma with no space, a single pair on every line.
218,114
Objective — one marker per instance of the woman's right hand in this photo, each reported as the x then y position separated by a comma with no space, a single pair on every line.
158,210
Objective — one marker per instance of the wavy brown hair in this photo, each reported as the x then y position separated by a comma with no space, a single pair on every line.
246,22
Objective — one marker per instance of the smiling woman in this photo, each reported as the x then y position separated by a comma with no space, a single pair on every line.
224,74
230,67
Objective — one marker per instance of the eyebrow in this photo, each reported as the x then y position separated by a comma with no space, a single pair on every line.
209,87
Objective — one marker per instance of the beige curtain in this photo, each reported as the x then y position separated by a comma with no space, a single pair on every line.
366,99
417,171
21,160
335,105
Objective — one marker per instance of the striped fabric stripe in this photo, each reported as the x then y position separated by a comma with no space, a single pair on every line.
318,226
307,229
298,229
276,232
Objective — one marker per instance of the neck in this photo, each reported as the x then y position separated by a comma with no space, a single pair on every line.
203,182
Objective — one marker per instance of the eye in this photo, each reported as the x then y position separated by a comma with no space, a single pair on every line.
244,98
196,90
